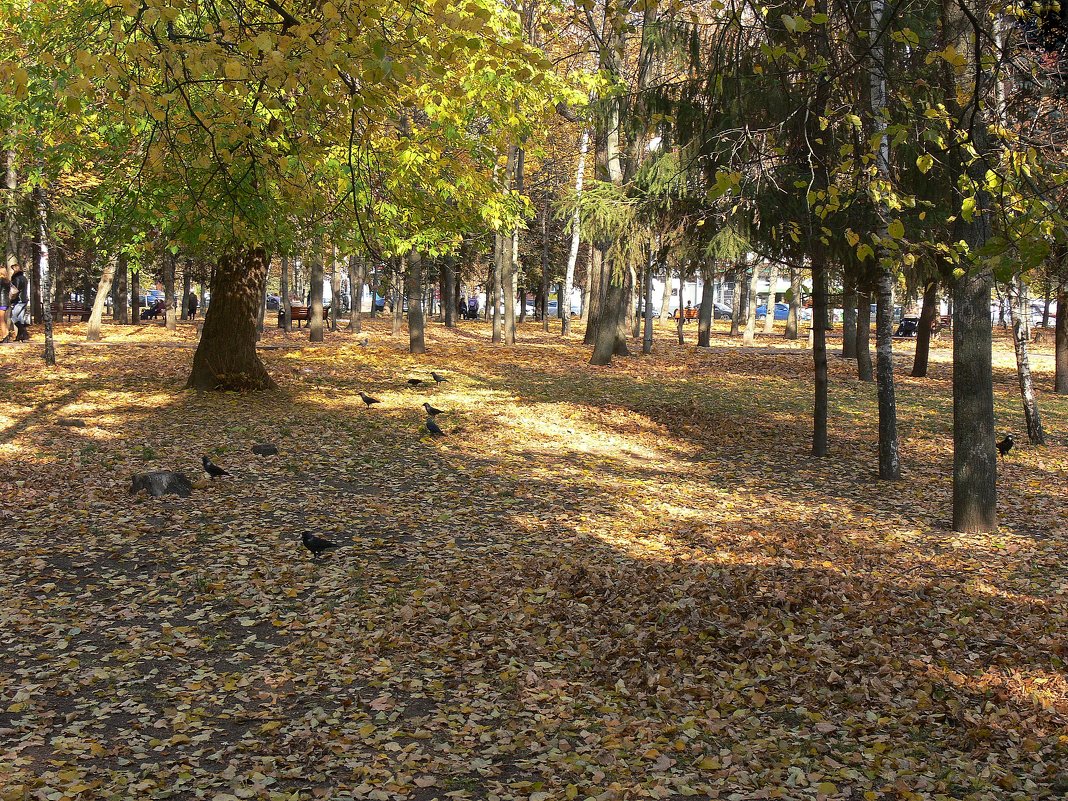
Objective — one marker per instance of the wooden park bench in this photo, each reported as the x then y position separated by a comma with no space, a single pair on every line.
300,314
691,313
71,309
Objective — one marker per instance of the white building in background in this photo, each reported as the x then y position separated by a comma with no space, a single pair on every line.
723,291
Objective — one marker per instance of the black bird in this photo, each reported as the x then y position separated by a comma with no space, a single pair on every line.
434,428
438,378
431,410
212,469
1006,445
414,382
316,544
368,400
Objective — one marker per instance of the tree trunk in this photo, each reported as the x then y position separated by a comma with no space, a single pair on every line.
335,290
665,296
263,303
416,343
850,305
494,299
576,221
226,357
1060,380
863,338
169,317
596,282
611,330
819,354
750,314
738,301
41,202
647,338
11,234
928,315
451,295
889,459
287,306
704,312
121,302
102,290
316,277
543,297
183,304
795,303
1021,312
357,268
773,280
398,300
135,296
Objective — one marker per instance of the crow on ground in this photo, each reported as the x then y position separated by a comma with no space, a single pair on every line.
434,428
316,544
368,400
212,469
414,382
438,378
1006,445
430,410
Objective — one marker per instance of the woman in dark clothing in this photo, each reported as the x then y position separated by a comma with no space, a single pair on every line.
20,300
191,305
5,303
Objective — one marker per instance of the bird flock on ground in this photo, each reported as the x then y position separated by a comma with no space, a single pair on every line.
319,545
313,542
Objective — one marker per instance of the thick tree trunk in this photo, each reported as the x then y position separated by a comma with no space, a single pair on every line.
863,337
416,343
611,330
769,318
750,313
1060,380
928,315
889,459
102,290
795,304
121,303
169,313
226,357
316,277
704,311
597,294
819,355
41,202
287,305
850,305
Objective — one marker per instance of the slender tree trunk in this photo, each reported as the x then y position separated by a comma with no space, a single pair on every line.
11,205
121,302
183,304
287,305
335,289
1047,297
819,354
928,315
543,297
750,317
889,459
494,299
135,296
576,222
1060,380
850,305
226,357
316,278
416,343
41,202
665,296
1021,312
397,292
704,312
773,280
647,338
169,318
795,303
863,338
738,301
102,289
452,291
262,313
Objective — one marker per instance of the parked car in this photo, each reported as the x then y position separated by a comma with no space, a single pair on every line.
782,311
553,307
721,311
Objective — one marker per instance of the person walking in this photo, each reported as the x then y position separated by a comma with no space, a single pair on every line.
5,303
20,304
192,302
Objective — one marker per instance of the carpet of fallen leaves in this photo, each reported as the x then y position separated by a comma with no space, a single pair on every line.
619,583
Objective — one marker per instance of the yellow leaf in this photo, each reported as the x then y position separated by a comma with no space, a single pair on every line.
271,726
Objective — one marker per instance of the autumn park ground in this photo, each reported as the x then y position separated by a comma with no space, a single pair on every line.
620,583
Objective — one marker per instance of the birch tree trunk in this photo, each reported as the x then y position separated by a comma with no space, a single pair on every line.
576,223
795,304
102,289
750,313
41,202
1021,312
